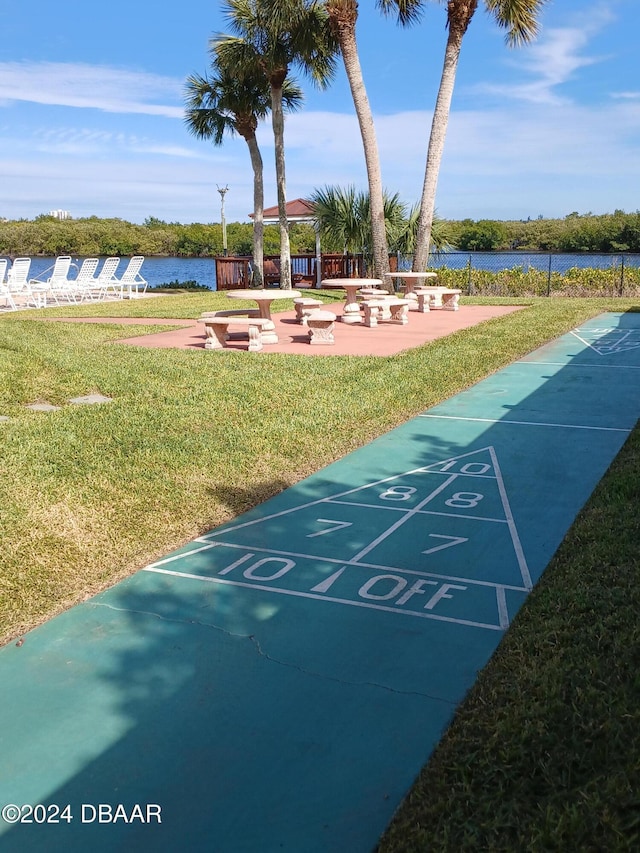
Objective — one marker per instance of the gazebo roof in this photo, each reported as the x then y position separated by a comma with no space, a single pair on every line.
298,210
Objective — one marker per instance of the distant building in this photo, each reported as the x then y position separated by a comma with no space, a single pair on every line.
60,214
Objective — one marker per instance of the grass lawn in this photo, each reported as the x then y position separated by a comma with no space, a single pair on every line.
545,752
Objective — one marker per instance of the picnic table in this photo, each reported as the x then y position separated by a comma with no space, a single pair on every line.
351,313
264,297
411,279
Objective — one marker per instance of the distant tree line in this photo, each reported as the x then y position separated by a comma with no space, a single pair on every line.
48,236
91,237
611,232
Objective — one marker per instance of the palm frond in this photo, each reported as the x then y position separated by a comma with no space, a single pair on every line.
518,17
407,12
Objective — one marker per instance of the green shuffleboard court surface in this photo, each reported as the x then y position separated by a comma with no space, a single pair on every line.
277,684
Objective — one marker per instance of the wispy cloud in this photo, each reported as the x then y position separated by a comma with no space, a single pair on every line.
96,143
553,60
627,96
90,86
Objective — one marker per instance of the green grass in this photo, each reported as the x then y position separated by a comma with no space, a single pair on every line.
544,754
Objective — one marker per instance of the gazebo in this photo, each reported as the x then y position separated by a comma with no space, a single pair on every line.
298,210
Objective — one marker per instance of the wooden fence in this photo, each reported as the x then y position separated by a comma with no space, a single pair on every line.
234,273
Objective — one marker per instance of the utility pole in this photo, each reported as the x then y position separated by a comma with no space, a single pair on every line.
223,191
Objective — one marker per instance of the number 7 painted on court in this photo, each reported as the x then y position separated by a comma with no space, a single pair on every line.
337,525
454,540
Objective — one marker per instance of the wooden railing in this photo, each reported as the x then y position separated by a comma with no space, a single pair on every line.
234,273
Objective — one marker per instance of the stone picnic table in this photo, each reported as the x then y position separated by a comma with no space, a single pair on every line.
264,297
351,286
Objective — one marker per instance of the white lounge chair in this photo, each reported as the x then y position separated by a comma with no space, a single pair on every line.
5,291
58,284
131,279
18,278
106,279
85,283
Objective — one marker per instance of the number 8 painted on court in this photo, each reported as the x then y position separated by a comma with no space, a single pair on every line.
398,493
464,500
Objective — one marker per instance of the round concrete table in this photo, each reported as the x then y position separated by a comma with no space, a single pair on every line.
264,297
410,279
351,286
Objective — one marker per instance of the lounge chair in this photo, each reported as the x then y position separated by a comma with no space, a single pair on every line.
86,283
131,278
58,284
106,279
18,278
5,291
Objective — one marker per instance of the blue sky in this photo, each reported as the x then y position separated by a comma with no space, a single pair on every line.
91,114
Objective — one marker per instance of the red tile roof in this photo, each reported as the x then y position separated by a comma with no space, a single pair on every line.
298,208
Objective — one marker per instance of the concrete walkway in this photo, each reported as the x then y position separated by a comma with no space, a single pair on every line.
278,683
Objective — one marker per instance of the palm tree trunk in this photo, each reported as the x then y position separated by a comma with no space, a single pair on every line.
258,208
346,33
437,137
277,121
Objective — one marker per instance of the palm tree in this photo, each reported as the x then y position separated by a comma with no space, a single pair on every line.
404,238
223,103
273,36
343,217
520,19
343,15
336,213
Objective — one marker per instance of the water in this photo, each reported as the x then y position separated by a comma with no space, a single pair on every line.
496,261
158,271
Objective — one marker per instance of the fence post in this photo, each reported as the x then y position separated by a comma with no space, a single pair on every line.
469,285
621,275
549,276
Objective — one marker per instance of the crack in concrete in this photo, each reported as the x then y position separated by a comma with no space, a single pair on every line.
261,652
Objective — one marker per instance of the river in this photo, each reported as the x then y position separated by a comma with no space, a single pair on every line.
159,271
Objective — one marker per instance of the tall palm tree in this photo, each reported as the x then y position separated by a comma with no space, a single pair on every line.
223,103
520,19
343,15
274,36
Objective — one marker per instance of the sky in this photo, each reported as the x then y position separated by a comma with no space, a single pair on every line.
92,114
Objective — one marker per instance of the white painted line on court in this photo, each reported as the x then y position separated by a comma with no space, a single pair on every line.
585,366
255,549
419,511
408,514
610,341
525,423
350,602
206,547
524,569
282,512
502,607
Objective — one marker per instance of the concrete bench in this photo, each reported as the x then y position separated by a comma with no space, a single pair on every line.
217,330
376,310
304,306
445,298
321,325
233,312
366,294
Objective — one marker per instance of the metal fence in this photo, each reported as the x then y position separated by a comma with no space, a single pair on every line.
537,273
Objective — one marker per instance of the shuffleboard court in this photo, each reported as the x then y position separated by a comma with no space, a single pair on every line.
278,683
